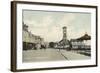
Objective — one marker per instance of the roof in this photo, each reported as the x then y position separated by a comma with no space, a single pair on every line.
64,42
84,37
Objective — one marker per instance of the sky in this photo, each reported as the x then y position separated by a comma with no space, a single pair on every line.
48,24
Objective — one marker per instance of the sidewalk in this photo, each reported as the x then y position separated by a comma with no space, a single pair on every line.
73,55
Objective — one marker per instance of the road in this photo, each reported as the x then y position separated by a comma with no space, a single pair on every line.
51,55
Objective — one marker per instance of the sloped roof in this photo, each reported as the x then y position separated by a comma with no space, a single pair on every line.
84,37
62,42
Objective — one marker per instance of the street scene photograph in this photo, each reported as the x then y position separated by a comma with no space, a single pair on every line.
55,36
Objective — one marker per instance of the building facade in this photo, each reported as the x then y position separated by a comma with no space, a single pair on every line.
84,42
30,41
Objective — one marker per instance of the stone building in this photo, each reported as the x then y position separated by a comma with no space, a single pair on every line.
64,43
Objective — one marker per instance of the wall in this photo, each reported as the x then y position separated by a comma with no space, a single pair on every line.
5,37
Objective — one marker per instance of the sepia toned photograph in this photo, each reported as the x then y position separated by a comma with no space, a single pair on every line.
47,36
54,36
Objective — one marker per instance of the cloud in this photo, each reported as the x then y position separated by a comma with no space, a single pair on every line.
49,25
67,19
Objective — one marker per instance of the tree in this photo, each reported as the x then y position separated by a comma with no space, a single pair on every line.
51,44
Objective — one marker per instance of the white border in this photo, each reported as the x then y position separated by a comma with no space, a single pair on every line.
21,65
